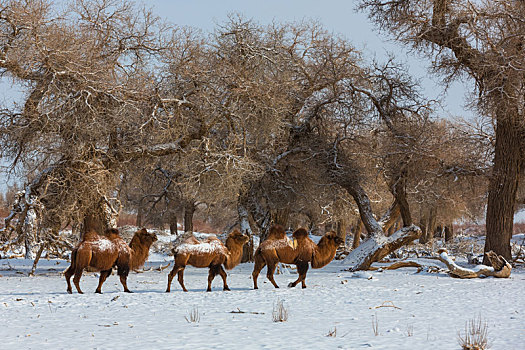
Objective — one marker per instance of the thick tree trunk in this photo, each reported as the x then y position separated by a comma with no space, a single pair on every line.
449,233
189,209
503,187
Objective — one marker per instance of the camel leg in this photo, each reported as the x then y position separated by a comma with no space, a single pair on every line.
76,280
180,277
259,265
172,274
223,275
103,275
214,270
302,268
123,272
69,272
270,271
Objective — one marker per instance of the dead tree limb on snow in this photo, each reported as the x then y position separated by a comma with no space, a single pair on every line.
500,267
378,246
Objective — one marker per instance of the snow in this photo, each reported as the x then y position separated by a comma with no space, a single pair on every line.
104,244
202,248
432,307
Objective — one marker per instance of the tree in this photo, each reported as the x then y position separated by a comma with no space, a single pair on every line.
482,40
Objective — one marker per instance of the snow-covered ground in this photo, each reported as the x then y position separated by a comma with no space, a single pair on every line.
430,310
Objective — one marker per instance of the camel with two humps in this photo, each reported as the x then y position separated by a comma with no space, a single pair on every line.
211,253
276,248
102,253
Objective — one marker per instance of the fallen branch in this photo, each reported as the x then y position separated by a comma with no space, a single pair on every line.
244,312
500,267
387,303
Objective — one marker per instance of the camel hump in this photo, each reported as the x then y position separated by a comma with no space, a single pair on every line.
277,232
90,236
300,233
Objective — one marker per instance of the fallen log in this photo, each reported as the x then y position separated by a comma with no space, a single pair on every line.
378,246
500,267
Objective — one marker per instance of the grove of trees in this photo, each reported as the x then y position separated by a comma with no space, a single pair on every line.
258,124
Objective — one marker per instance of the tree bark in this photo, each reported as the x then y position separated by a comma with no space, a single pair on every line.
173,224
189,209
449,233
244,223
140,213
503,187
357,233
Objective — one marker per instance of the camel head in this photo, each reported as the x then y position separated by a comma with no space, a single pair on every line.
145,237
237,237
334,238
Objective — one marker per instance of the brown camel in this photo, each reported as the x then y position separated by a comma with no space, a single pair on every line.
278,248
210,253
102,253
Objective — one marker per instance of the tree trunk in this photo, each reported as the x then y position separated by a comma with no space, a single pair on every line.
357,233
244,223
173,224
189,209
341,230
503,187
280,216
140,213
449,232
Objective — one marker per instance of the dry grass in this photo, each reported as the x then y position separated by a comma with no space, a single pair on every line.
375,325
193,316
332,332
475,336
280,313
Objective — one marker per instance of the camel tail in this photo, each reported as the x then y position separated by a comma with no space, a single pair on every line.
73,261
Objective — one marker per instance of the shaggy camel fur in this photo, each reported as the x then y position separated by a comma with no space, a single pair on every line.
102,253
277,248
209,253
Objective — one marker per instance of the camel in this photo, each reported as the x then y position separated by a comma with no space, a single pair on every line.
211,253
102,253
278,248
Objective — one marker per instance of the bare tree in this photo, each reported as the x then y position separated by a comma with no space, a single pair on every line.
482,40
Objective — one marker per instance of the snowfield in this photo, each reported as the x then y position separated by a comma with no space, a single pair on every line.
412,310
